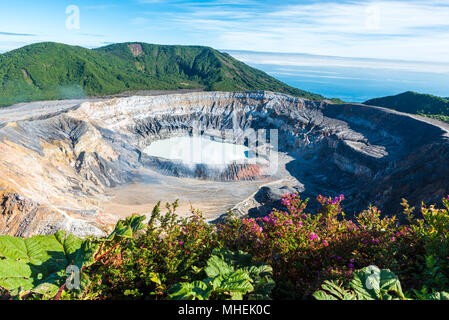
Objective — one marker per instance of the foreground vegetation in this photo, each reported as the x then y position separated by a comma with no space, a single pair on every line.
52,71
289,254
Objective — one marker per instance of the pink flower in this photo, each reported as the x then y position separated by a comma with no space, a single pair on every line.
313,236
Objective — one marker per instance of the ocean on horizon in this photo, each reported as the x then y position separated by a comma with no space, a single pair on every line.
350,79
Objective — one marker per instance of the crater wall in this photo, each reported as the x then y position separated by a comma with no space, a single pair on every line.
62,160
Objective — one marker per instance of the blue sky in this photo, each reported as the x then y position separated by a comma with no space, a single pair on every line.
406,30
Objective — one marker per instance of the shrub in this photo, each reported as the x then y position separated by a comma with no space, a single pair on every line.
432,231
369,283
306,248
285,255
230,276
169,251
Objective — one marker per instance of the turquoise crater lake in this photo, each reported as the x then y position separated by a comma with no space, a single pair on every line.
198,150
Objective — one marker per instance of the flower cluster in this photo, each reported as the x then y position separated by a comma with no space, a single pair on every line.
324,244
303,248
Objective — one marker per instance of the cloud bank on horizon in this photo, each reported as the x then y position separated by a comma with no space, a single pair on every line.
416,30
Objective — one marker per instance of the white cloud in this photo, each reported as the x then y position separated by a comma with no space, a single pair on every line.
300,60
405,30
414,30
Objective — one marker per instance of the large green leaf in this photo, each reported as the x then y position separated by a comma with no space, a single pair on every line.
235,284
369,283
237,259
439,296
217,266
231,275
373,283
38,264
262,278
423,294
333,291
127,228
190,291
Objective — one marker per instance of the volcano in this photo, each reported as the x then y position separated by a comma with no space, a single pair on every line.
80,165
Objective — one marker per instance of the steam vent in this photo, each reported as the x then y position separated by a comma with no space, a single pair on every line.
82,165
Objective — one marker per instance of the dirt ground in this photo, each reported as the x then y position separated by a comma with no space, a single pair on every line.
213,198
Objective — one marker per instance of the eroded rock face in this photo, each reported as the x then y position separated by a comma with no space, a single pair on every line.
23,217
136,49
63,159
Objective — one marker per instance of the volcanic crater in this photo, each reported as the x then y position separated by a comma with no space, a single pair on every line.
81,165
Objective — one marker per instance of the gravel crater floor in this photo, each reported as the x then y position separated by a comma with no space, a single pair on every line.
213,198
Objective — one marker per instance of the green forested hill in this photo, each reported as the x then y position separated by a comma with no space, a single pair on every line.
56,71
416,103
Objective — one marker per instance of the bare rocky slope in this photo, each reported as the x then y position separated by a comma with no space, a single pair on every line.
60,160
